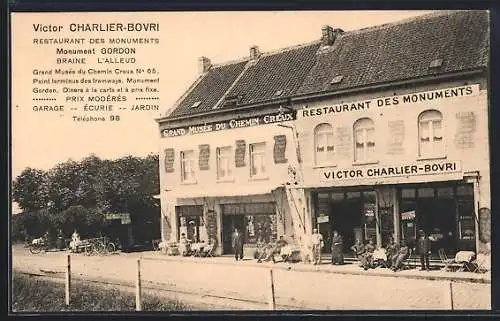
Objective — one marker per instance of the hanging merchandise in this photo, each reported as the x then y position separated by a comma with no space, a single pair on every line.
408,216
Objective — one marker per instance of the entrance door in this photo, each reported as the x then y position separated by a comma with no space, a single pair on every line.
437,217
326,231
346,218
229,223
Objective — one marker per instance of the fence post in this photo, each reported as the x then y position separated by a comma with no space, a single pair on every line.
68,281
271,300
138,303
448,295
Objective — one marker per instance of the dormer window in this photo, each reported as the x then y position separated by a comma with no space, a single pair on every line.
337,79
278,93
196,104
232,100
436,63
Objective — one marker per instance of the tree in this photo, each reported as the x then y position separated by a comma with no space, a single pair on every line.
31,189
76,194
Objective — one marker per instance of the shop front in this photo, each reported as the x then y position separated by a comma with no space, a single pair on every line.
256,220
444,211
191,222
350,212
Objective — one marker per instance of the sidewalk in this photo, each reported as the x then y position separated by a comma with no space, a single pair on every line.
326,267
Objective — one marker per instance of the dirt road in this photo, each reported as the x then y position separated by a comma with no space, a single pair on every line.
250,284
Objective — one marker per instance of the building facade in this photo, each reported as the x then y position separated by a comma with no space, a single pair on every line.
375,133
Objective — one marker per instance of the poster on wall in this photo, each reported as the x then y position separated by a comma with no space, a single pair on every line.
142,111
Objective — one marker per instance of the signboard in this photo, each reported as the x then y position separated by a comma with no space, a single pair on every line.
485,224
124,217
392,101
229,124
407,216
413,169
323,219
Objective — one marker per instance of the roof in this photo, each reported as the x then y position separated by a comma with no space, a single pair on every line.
284,71
365,57
209,89
402,51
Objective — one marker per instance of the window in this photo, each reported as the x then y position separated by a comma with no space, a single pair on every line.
466,227
187,166
364,140
224,163
430,133
323,144
257,160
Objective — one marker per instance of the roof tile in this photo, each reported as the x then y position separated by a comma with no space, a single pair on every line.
210,89
365,57
283,71
402,51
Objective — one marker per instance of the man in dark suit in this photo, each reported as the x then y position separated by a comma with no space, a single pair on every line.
423,249
237,242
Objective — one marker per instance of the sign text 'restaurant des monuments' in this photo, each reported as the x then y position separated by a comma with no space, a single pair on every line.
393,101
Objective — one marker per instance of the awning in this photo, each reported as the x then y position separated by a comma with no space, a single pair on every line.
230,190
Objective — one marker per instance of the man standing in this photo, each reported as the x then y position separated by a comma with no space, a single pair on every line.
317,245
423,249
237,239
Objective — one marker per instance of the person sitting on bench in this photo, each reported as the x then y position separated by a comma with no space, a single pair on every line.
75,241
266,253
360,251
391,249
401,256
370,248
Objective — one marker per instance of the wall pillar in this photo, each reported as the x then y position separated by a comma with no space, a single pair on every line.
396,216
378,228
218,215
476,213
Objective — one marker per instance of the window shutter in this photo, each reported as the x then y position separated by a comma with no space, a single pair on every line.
169,160
239,156
279,149
204,157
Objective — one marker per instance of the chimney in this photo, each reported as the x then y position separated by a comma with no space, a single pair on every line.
254,52
204,64
328,35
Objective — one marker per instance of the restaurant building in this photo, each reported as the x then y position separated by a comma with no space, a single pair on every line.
375,133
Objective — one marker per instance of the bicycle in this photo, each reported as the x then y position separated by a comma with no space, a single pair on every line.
105,246
38,245
90,247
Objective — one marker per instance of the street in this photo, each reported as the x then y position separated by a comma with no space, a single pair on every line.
293,289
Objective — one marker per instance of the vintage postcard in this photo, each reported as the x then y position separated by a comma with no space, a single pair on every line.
272,160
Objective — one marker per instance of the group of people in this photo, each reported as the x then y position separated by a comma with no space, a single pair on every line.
393,255
269,252
186,246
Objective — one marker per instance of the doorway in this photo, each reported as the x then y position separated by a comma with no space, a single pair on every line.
347,219
343,212
445,211
229,223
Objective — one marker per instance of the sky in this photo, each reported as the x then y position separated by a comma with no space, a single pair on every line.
42,140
